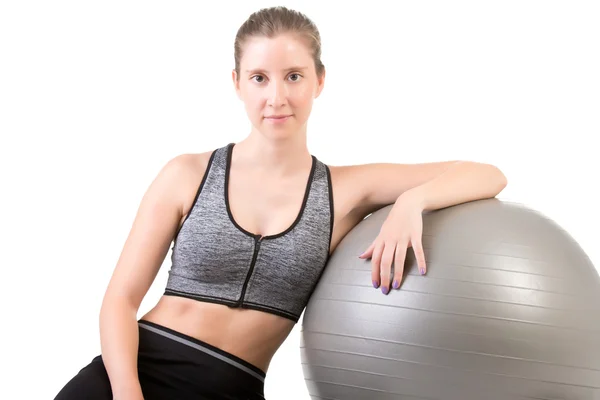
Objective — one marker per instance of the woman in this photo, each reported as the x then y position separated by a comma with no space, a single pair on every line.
253,225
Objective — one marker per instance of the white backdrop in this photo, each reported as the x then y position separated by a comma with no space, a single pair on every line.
95,97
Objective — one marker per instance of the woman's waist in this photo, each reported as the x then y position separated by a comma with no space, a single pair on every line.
251,335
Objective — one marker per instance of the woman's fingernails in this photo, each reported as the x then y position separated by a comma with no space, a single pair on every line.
422,271
375,284
395,285
384,290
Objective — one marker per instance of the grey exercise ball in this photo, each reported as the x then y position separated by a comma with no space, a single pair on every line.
509,309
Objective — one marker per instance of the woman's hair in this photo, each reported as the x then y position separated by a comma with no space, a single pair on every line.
273,21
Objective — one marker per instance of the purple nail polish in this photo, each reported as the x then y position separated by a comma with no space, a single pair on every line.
396,284
384,290
422,271
375,284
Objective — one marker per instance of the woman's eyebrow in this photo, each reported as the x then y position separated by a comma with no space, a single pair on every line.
257,70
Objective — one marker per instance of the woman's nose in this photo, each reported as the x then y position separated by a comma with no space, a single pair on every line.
277,94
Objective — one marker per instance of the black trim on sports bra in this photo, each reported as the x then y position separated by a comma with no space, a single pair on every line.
330,185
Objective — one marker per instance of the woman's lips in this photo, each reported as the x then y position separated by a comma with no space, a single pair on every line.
278,119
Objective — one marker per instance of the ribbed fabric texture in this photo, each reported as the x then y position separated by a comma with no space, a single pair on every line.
216,260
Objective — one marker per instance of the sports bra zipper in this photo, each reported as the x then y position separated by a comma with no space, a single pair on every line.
257,241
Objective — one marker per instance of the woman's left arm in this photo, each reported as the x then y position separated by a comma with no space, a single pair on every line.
454,183
463,181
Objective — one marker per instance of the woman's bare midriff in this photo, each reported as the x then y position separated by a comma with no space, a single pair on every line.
251,335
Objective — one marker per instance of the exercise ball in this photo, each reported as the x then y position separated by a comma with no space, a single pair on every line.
509,309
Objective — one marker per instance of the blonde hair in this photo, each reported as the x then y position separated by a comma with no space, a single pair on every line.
273,21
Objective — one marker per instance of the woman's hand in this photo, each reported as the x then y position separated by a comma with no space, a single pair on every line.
402,229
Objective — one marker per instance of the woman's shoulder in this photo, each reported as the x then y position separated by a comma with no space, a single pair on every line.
189,168
191,163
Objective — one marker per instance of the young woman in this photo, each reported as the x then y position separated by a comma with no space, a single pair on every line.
253,225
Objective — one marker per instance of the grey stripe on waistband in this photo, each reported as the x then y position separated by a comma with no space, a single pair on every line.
204,349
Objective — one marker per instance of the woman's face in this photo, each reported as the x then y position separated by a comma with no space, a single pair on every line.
277,78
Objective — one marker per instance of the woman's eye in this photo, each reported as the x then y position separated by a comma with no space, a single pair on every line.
260,79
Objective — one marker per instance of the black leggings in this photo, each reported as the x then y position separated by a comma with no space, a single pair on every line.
172,365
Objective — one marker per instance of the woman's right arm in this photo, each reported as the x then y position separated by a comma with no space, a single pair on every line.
145,249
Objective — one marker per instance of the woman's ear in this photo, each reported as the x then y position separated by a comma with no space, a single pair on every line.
320,84
236,83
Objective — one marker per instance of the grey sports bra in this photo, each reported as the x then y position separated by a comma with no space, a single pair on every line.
216,260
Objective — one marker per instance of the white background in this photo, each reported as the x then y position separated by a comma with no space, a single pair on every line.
95,97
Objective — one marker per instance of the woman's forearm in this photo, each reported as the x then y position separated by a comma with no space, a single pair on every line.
119,339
